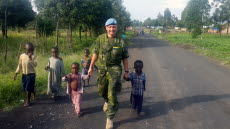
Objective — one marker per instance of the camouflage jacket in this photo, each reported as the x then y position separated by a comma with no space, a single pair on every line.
110,53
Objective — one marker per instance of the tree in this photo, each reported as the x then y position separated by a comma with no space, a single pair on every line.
120,14
160,19
167,18
148,23
195,14
18,13
136,23
223,10
218,19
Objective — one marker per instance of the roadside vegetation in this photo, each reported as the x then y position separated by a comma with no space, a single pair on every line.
71,25
211,45
11,93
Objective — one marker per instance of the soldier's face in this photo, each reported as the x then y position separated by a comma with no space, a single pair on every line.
75,68
111,30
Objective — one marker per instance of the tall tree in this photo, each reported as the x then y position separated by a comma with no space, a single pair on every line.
195,14
167,18
218,19
160,19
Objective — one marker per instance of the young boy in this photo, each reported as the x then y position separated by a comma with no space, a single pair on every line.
27,63
75,87
85,62
138,81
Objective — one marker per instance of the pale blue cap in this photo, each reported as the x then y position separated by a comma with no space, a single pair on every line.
111,21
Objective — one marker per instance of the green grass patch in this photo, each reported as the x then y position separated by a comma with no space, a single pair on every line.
211,45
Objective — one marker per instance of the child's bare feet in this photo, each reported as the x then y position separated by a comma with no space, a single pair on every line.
79,114
27,104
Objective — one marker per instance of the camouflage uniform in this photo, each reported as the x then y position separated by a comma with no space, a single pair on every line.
110,54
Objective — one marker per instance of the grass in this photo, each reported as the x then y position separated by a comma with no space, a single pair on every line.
211,45
11,93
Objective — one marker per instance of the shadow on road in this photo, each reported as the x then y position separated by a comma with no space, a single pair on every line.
164,107
146,41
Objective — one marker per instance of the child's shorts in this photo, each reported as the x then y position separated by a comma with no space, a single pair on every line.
28,82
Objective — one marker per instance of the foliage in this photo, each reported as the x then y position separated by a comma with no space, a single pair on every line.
136,23
195,14
19,13
221,14
148,22
45,26
167,18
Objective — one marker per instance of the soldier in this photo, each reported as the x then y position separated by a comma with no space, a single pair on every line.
109,50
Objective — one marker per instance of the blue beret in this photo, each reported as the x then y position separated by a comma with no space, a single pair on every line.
111,21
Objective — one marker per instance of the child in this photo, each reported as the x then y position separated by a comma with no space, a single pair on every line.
27,63
75,87
56,72
138,81
85,63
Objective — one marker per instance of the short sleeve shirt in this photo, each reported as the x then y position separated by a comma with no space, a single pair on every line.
137,83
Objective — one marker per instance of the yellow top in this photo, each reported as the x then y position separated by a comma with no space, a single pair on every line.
26,65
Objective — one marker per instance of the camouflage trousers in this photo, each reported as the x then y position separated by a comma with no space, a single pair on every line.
108,86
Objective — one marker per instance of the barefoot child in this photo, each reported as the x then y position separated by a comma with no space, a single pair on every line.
27,63
85,62
75,86
138,81
56,72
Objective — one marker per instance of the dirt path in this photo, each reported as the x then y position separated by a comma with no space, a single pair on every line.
184,91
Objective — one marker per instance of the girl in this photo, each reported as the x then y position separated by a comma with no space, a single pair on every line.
56,72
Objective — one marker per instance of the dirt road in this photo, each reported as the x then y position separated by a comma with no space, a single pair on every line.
184,91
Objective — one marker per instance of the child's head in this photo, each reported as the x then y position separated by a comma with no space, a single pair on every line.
75,67
138,65
86,52
55,51
29,47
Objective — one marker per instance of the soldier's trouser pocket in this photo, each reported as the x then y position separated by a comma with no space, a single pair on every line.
102,82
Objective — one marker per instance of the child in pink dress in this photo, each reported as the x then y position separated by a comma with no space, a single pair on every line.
75,88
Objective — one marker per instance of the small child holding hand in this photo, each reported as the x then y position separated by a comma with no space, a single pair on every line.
138,81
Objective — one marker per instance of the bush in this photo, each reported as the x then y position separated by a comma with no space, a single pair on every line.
195,32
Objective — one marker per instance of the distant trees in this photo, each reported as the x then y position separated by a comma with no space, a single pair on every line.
221,14
148,22
83,14
167,20
136,23
16,13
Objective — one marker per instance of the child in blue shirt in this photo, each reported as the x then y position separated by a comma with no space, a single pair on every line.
138,80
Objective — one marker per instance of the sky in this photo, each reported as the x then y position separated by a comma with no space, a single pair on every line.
142,9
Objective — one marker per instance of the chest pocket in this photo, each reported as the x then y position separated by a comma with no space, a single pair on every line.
111,53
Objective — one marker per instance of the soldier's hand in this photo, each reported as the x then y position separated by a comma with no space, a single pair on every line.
125,76
90,71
